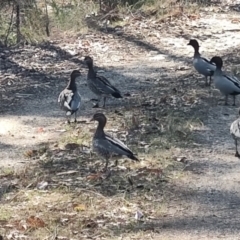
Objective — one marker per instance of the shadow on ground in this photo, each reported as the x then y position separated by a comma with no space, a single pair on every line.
151,190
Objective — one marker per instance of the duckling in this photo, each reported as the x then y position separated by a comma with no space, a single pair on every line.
227,85
69,99
106,145
202,65
99,85
235,132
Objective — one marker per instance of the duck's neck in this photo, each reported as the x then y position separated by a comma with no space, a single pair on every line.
91,72
196,52
100,132
218,70
72,85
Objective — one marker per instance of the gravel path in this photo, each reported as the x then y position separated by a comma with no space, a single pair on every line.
207,200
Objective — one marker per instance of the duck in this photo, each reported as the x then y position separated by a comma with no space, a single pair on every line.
99,85
70,99
202,65
235,132
226,84
105,145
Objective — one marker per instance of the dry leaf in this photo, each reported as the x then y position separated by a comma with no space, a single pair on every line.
89,223
20,225
35,222
42,185
130,181
235,20
72,146
67,172
40,130
138,215
79,207
155,170
95,176
146,170
64,220
180,159
30,153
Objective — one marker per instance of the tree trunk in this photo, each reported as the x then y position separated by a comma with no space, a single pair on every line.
18,21
47,20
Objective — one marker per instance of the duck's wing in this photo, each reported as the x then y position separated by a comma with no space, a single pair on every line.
210,66
208,62
116,146
104,86
233,81
75,102
65,99
232,78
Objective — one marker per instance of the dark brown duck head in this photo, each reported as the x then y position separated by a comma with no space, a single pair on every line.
72,83
75,74
101,119
218,61
194,44
88,61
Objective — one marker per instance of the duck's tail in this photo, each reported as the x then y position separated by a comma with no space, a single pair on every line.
133,158
117,94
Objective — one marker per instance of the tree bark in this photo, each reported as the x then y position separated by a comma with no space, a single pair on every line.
47,19
18,21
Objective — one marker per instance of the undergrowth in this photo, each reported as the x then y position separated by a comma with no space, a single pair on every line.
63,17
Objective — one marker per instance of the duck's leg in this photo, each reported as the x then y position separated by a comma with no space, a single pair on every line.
116,163
236,154
226,100
210,81
104,101
68,119
234,100
106,165
75,114
97,104
206,81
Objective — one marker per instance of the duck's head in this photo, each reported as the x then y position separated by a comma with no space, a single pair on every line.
99,117
75,74
194,43
88,61
218,61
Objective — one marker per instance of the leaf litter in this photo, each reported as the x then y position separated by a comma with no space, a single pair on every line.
64,185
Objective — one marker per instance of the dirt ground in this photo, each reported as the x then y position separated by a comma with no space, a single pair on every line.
205,201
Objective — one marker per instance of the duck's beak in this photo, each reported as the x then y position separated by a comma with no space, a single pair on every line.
188,43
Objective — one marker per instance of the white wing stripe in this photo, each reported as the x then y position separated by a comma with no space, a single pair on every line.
118,143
